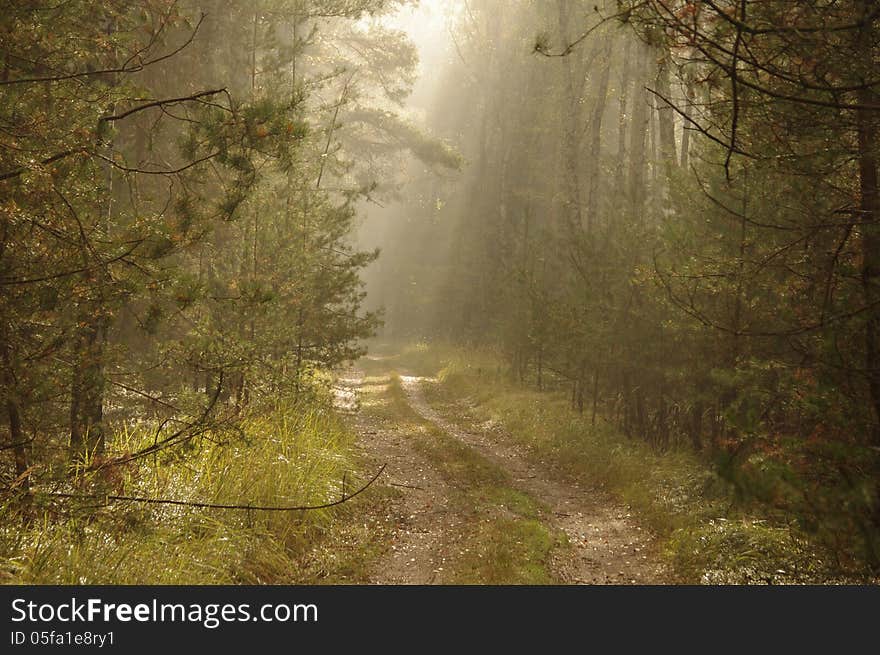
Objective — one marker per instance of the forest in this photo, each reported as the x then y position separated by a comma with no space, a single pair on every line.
440,291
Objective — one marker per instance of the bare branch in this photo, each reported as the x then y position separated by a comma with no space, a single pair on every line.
198,505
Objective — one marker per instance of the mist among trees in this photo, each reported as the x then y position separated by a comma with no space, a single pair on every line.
652,221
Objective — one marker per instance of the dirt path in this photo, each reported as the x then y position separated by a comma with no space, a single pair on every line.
419,517
605,545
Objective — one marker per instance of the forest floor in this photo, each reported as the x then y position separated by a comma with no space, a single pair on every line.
473,507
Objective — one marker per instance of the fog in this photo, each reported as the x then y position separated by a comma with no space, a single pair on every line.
638,239
427,26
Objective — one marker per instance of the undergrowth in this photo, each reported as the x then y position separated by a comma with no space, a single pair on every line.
706,535
292,455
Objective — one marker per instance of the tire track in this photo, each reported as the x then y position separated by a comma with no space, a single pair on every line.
418,518
607,547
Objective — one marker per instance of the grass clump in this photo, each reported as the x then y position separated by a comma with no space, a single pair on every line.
742,551
293,455
505,551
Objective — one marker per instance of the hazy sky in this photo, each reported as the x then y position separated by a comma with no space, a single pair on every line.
426,24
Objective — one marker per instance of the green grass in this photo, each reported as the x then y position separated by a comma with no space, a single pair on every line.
706,537
507,551
288,456
505,538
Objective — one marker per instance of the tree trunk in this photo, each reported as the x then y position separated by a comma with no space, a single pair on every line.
582,374
625,75
665,118
641,419
662,423
595,396
637,144
686,135
595,140
696,427
540,368
870,213
571,134
87,391
13,414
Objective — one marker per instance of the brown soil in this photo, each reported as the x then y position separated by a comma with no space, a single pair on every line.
606,546
419,517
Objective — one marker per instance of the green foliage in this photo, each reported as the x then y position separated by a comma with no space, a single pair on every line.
722,551
291,455
687,255
507,552
177,198
716,527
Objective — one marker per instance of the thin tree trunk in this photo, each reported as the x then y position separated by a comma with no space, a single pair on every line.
571,134
637,143
87,391
665,118
13,414
595,396
686,138
540,368
581,384
595,140
622,118
696,427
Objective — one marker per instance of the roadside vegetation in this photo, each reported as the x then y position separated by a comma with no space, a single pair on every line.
283,455
709,533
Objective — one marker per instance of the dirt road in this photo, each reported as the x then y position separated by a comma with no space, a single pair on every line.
428,523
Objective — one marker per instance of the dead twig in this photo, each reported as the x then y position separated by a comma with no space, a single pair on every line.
197,505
